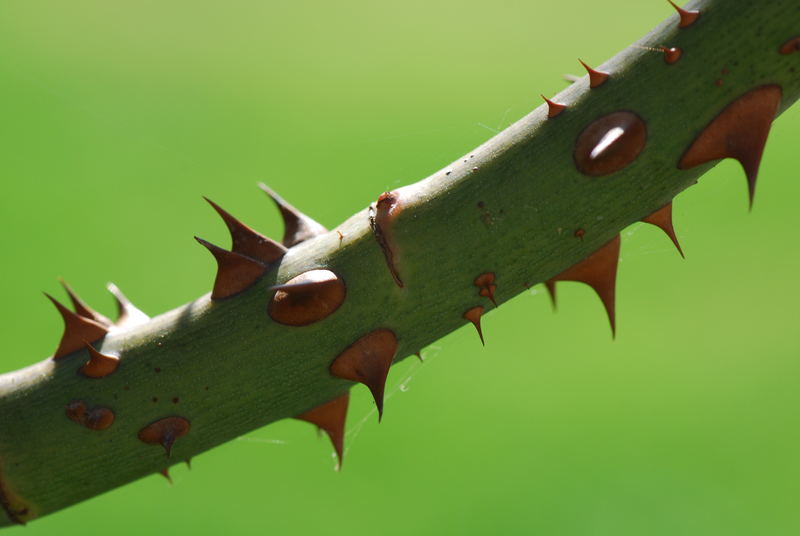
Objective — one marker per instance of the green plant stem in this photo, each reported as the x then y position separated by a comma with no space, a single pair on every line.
511,207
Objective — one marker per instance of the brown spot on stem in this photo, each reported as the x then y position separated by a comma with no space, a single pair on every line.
164,432
672,55
553,108
99,365
610,144
740,131
790,46
580,233
248,242
662,218
330,417
381,217
486,285
298,227
235,272
599,271
474,315
596,78
127,313
81,308
96,418
719,82
307,298
77,330
687,17
367,361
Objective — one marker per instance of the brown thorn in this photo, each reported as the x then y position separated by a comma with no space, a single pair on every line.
596,78
307,298
662,218
367,361
298,227
687,17
165,473
77,329
553,108
164,432
419,356
127,313
81,308
99,365
330,417
599,271
740,131
474,315
235,272
551,290
247,241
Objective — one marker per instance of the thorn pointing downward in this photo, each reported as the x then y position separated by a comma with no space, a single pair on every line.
164,432
740,131
662,218
367,361
330,417
599,271
474,315
297,226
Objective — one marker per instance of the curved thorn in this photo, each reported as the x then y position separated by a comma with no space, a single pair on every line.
298,227
247,241
235,272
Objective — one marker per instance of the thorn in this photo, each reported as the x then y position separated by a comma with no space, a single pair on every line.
687,17
81,308
127,313
662,218
485,282
740,131
367,361
419,356
571,78
297,226
330,417
247,241
596,78
474,315
551,291
307,298
99,365
235,272
77,329
164,432
599,271
554,108
165,473
610,143
188,462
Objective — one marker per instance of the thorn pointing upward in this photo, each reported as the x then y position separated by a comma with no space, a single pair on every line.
298,227
247,241
235,272
687,17
77,330
596,78
81,308
554,108
127,313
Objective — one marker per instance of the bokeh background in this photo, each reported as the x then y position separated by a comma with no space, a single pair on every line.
117,116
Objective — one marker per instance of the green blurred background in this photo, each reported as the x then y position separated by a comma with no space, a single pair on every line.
117,117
